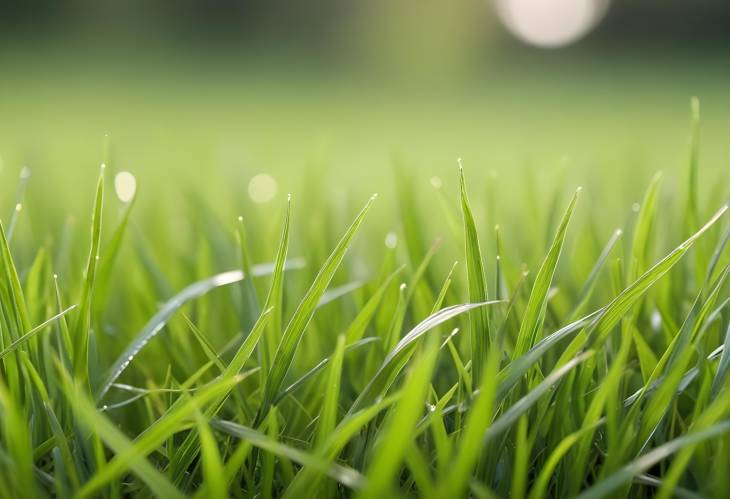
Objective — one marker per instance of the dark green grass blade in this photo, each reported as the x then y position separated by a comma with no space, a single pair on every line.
116,440
645,462
370,340
516,410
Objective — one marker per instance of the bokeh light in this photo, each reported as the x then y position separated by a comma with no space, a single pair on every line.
125,185
550,23
262,188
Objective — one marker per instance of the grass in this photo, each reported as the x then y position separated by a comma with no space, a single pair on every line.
589,363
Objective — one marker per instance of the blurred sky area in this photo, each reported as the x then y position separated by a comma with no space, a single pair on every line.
253,85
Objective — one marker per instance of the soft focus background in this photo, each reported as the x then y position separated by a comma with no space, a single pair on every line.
200,99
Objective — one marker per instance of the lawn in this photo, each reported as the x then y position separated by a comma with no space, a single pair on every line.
528,306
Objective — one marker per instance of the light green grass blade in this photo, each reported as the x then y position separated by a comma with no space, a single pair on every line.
476,278
303,314
212,463
624,301
535,312
16,441
395,437
106,264
643,228
328,414
456,478
80,329
275,298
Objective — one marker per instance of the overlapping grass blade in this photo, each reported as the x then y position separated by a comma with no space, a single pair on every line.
535,312
398,357
30,334
303,314
344,475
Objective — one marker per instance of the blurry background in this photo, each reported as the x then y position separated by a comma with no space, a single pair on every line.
207,95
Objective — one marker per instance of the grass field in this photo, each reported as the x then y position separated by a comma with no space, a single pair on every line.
496,331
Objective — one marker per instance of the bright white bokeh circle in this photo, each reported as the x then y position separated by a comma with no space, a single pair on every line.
125,185
550,23
391,240
262,188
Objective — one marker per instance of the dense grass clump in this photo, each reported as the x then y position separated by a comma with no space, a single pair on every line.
437,369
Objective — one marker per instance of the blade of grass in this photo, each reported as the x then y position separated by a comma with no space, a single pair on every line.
476,278
535,312
303,314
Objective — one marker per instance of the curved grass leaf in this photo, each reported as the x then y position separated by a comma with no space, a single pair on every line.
344,475
398,357
159,320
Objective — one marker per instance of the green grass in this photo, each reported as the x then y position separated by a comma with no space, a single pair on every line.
288,352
